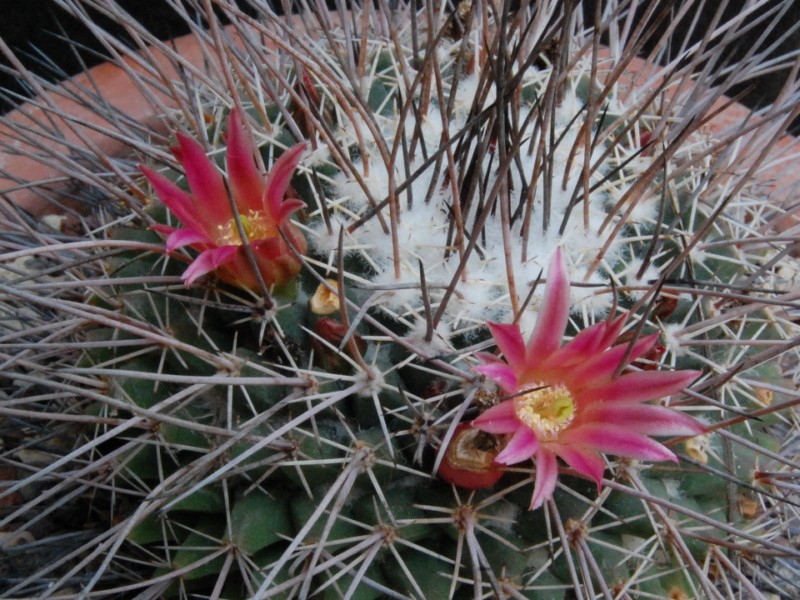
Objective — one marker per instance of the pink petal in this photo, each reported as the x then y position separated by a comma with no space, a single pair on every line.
246,182
591,341
275,261
612,331
268,249
616,440
553,316
502,374
522,445
185,237
209,261
583,461
162,229
205,181
509,341
546,477
278,182
604,365
499,419
175,199
488,359
640,386
646,419
239,272
289,207
579,348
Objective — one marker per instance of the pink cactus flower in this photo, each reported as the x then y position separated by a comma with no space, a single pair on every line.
565,402
208,223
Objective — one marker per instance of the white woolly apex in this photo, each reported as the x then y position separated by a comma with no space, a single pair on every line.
582,226
374,380
503,516
438,344
645,209
352,130
592,297
467,92
400,294
326,242
318,156
672,339
629,276
430,125
698,255
673,488
788,273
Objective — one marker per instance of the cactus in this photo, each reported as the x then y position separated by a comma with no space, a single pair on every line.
304,429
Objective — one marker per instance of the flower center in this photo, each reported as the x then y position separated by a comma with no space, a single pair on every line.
257,225
546,410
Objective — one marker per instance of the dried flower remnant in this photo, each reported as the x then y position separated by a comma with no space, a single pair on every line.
698,448
209,225
325,301
469,461
564,401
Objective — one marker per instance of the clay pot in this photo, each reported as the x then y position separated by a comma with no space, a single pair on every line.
78,124
116,83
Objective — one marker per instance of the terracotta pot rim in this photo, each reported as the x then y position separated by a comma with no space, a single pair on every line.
116,85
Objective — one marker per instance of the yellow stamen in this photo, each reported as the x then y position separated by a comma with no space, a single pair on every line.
257,225
547,410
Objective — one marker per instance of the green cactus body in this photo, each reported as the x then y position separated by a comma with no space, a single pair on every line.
355,475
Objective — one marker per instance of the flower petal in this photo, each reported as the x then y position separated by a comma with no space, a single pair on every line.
498,419
584,461
581,347
552,319
275,261
522,446
208,261
509,341
246,182
646,419
278,182
488,359
502,374
239,272
162,229
612,331
269,249
616,440
546,477
289,207
185,237
603,365
178,201
205,181
640,386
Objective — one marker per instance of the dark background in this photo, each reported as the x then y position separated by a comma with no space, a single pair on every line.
54,45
